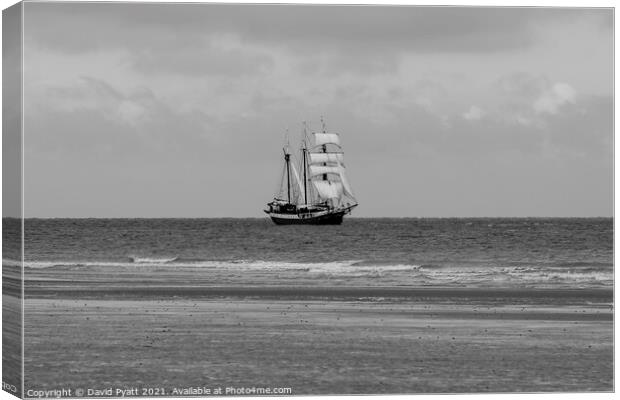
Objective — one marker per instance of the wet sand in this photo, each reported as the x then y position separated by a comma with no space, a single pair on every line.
11,343
320,340
11,327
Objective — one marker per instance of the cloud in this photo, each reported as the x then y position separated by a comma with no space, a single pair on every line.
520,119
373,38
554,98
474,113
530,99
92,94
205,57
522,85
98,116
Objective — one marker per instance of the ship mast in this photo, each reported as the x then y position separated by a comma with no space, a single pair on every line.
324,146
287,159
304,150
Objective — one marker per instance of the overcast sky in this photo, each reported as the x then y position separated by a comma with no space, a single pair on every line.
180,110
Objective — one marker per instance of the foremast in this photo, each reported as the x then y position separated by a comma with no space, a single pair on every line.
287,162
294,189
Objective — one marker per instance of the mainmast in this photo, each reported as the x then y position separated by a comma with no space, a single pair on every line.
287,159
304,149
324,146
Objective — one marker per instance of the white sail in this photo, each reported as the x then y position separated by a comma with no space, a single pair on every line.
328,190
326,138
296,176
345,183
318,158
323,169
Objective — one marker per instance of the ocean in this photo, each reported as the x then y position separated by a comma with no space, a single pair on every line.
409,252
370,306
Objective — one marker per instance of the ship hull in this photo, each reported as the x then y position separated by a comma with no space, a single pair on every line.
334,218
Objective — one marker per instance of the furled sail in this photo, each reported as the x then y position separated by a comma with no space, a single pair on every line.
327,189
326,138
323,169
318,158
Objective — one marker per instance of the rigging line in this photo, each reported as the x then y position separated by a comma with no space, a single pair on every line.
278,190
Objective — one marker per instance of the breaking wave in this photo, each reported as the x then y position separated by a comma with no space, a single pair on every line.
11,263
152,260
381,272
259,265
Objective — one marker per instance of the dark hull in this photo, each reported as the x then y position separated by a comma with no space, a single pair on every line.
327,219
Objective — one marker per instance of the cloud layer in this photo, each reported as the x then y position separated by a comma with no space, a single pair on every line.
443,111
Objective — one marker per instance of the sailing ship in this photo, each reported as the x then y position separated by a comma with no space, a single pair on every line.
321,195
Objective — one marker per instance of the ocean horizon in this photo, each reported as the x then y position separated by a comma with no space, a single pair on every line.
346,219
416,252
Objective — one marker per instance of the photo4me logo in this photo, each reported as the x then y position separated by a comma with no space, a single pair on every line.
236,391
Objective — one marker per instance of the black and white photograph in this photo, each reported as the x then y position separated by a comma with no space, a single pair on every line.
241,199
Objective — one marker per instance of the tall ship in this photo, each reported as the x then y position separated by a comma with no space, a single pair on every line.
314,190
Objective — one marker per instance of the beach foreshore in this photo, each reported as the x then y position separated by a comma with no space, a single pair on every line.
69,289
11,342
327,340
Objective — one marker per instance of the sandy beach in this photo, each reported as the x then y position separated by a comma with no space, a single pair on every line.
11,327
11,343
321,341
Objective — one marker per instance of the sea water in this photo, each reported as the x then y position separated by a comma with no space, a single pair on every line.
485,252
